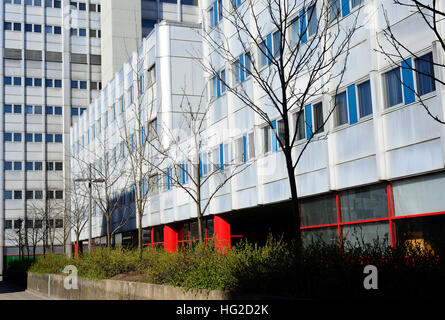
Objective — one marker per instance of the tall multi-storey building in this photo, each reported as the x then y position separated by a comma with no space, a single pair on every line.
50,69
126,23
376,170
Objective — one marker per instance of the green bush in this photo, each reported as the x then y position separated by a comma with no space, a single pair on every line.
51,263
277,268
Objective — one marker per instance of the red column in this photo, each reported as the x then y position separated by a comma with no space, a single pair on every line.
222,232
170,238
75,249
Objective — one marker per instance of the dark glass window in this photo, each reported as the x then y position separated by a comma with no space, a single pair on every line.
364,203
425,74
319,211
393,87
341,109
364,98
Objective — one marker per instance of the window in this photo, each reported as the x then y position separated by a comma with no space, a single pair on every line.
425,74
341,109
267,143
240,150
217,84
276,44
334,9
364,98
18,194
8,224
8,165
17,166
59,194
263,54
364,203
318,117
151,78
7,194
312,20
393,87
300,126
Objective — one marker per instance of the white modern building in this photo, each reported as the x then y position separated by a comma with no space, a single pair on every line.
374,172
50,66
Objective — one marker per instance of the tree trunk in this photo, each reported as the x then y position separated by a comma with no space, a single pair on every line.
295,231
108,230
198,203
140,231
77,244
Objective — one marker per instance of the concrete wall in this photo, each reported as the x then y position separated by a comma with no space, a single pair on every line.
52,286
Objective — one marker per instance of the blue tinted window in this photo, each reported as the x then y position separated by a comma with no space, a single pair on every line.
17,27
73,32
58,138
48,3
74,84
57,4
7,137
364,98
28,81
7,80
17,165
8,165
8,194
28,109
82,6
58,83
17,137
28,166
38,137
37,82
17,81
48,29
49,138
37,2
28,137
17,108
425,74
7,26
393,87
28,27
57,30
38,109
58,110
74,111
37,28
48,83
38,165
7,108
83,85
82,32
49,110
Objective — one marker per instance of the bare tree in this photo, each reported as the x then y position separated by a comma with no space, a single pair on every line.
108,181
137,131
294,52
79,215
190,164
392,46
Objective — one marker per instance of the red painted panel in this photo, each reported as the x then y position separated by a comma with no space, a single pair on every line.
222,232
170,238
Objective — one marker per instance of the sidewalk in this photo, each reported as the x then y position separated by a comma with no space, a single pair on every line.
12,292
